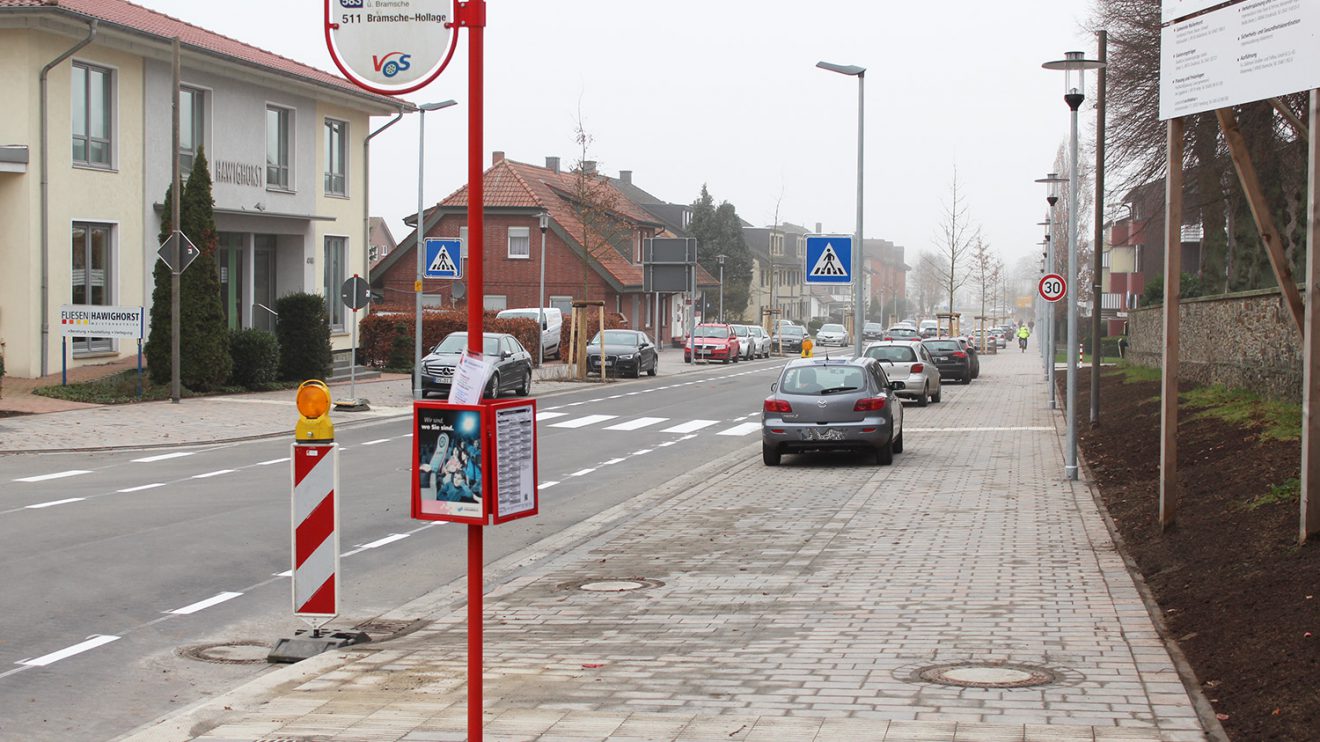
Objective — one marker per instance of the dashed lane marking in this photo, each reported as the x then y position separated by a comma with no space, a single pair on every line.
378,440
272,461
640,422
549,415
53,503
210,474
204,604
546,485
383,541
92,642
56,475
691,426
164,457
141,487
741,429
582,472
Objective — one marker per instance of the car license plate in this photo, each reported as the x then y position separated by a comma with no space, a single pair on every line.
821,434
609,363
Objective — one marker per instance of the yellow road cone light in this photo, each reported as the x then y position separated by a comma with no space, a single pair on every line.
314,409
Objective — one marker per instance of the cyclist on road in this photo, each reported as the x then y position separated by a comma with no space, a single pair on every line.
1022,334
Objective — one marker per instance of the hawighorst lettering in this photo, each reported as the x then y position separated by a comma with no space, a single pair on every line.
240,173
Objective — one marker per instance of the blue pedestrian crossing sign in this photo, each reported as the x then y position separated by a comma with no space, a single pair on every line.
829,258
444,258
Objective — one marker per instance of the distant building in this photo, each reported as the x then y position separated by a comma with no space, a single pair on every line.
380,241
778,262
1134,252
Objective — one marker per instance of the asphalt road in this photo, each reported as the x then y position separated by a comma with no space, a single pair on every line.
114,562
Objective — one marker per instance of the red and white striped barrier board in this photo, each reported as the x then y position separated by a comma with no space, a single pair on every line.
315,531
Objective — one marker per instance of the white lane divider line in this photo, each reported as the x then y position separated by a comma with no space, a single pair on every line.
582,472
93,641
383,541
141,487
641,452
546,485
216,599
348,553
544,415
378,440
53,503
611,462
164,457
686,438
56,475
666,444
640,422
406,435
287,572
691,426
616,396
210,474
272,461
741,429
582,422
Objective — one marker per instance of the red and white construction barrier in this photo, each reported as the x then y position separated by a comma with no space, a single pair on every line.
315,532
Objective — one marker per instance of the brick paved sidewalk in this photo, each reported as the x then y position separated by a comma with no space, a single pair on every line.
791,603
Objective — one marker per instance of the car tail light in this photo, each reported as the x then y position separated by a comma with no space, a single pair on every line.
959,354
777,405
870,404
918,368
889,339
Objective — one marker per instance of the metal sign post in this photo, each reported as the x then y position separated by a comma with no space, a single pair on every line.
356,293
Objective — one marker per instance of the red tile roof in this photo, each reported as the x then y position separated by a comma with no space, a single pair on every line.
164,27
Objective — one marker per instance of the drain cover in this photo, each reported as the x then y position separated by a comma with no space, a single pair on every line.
987,675
229,653
611,584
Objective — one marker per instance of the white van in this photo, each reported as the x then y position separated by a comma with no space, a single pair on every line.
550,330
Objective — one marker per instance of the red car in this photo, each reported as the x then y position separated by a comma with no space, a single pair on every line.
714,342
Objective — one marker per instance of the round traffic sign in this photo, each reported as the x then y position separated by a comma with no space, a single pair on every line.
355,293
1052,287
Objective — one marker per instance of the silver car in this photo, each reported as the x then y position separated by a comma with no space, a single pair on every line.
759,339
911,364
820,405
744,341
832,334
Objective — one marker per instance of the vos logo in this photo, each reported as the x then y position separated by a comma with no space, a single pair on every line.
391,64
350,3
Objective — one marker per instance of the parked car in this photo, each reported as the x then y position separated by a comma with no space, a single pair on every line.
550,329
759,339
950,358
712,342
820,404
744,341
910,364
899,332
627,353
789,339
873,331
929,328
832,334
513,364
969,346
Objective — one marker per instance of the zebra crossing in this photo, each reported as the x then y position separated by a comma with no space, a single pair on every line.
566,420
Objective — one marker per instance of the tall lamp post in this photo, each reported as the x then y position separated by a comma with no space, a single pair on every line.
860,73
1074,66
420,243
1052,182
720,258
540,296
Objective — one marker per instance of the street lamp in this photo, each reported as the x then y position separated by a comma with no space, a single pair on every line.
860,73
1051,182
419,244
540,297
1074,66
721,258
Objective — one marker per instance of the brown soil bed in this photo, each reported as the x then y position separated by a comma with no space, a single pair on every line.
1238,594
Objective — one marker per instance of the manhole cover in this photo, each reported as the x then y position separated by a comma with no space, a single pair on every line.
229,653
611,584
987,675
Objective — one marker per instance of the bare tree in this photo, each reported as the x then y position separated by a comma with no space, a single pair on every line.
595,203
953,244
986,271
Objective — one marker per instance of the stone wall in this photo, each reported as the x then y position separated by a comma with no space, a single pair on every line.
1246,340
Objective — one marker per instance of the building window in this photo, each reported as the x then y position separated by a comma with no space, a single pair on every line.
495,302
520,243
563,303
336,257
93,105
1136,259
776,244
92,264
192,127
336,157
279,143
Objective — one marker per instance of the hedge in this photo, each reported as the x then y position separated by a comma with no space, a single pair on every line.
256,355
303,329
385,337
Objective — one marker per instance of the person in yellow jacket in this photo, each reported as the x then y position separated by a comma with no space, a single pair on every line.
807,346
1023,333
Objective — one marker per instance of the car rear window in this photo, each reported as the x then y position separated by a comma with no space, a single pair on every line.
943,345
818,379
831,328
892,353
712,332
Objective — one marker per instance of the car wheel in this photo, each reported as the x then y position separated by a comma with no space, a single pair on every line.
770,454
898,442
924,397
493,388
526,389
655,366
936,396
884,455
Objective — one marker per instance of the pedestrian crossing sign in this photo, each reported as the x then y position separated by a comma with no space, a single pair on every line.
829,259
444,258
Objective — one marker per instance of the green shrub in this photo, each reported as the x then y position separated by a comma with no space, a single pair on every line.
256,355
1109,347
303,331
1189,285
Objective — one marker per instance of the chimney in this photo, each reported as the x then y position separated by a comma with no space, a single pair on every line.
552,164
626,176
817,227
496,157
589,167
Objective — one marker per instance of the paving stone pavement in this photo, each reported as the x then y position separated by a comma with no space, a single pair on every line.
796,603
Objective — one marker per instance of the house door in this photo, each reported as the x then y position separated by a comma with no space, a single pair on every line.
229,257
263,283
91,276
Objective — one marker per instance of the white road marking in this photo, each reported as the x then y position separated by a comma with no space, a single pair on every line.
216,599
981,430
640,422
406,435
741,429
378,440
348,554
92,642
582,472
643,451
287,572
272,461
164,456
582,422
383,541
611,462
691,426
666,444
616,396
546,485
549,415
56,475
210,474
141,487
686,438
53,503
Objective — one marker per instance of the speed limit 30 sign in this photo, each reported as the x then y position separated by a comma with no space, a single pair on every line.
1052,287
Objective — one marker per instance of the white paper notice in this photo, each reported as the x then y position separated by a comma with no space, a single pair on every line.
515,445
469,379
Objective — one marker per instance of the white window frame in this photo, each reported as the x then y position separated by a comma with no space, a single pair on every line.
199,128
111,115
111,281
334,302
291,148
563,302
331,175
494,302
525,238
776,244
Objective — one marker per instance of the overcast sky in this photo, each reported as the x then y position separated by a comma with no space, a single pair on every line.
726,93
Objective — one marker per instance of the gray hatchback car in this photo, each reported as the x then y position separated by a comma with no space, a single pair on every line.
821,404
